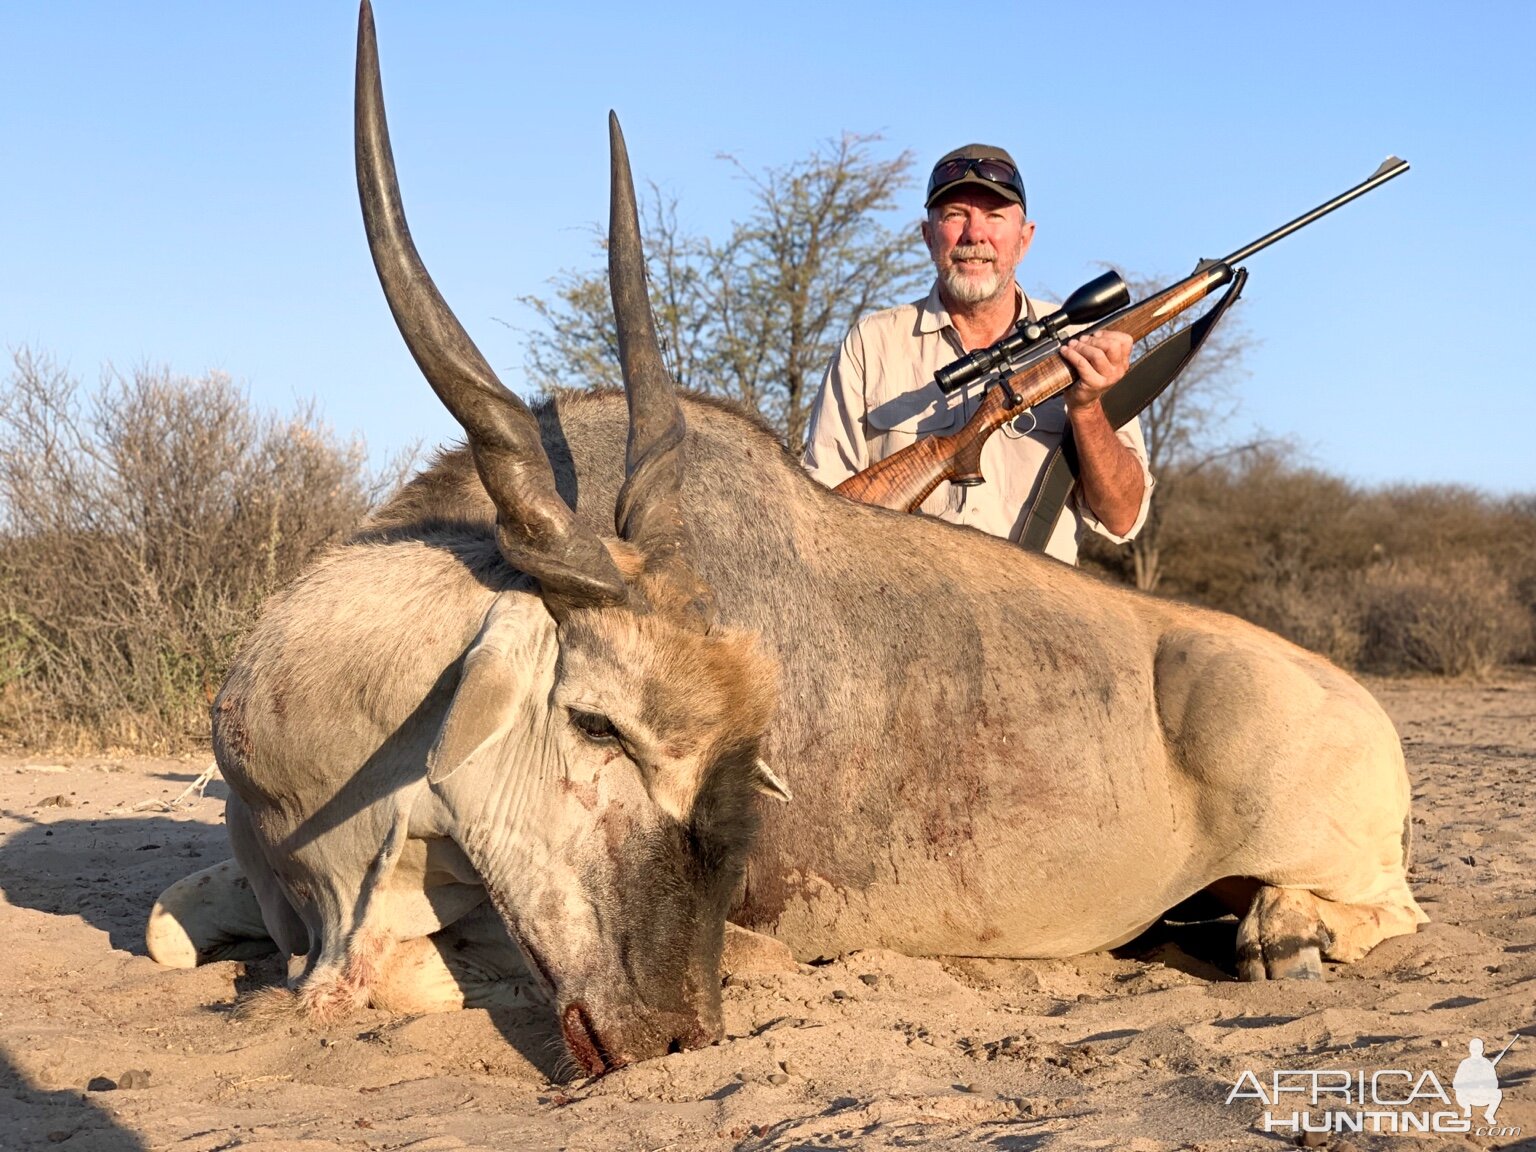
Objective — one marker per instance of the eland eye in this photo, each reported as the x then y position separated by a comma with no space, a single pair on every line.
595,727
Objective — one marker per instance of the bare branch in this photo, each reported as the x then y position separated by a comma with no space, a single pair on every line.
757,316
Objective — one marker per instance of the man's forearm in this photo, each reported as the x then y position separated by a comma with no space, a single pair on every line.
1109,472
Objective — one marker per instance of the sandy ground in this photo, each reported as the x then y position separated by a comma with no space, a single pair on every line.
1135,1050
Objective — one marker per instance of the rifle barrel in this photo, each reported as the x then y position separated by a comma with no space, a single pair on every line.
1390,167
1507,1047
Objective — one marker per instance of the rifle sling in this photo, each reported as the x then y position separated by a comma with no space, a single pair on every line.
1147,379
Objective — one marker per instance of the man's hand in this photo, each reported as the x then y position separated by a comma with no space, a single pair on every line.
1100,361
1111,476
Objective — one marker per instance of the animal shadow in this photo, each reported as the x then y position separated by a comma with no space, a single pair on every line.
108,871
1206,949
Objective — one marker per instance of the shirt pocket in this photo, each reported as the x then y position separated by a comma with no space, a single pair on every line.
899,416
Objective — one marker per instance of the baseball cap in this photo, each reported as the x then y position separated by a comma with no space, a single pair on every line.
976,164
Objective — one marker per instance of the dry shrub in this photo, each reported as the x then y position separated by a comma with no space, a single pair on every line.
1321,613
1400,578
1257,523
139,530
1460,618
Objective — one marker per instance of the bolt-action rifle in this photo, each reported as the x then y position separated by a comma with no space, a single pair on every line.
1025,367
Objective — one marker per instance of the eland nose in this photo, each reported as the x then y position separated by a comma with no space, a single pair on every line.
581,1038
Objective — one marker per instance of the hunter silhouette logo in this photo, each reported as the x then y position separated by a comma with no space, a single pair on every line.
1477,1083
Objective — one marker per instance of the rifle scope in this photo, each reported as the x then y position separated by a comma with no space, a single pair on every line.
1090,303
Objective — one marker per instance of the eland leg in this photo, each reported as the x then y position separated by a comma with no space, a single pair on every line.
364,915
210,915
472,963
1288,931
316,903
1282,937
338,892
1354,929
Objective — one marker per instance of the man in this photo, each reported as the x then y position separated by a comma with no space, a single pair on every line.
1477,1081
878,395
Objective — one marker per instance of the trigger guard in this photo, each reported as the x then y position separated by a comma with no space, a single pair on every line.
1012,430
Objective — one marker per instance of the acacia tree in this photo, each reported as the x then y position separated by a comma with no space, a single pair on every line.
757,316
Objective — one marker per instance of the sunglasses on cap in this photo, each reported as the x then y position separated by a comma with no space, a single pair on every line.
998,172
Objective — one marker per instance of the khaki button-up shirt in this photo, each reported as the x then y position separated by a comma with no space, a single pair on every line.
878,396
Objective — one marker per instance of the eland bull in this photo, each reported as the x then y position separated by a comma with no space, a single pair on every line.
483,715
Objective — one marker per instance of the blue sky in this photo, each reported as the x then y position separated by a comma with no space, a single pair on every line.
176,181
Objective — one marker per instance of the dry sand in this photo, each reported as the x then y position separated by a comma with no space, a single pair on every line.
1133,1050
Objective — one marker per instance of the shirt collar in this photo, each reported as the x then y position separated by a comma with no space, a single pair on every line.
932,316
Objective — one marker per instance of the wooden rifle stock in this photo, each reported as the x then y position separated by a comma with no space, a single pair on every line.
904,479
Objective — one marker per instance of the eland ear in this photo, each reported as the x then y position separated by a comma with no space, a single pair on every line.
511,660
768,782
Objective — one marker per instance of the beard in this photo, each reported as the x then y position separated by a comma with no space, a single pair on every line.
967,284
